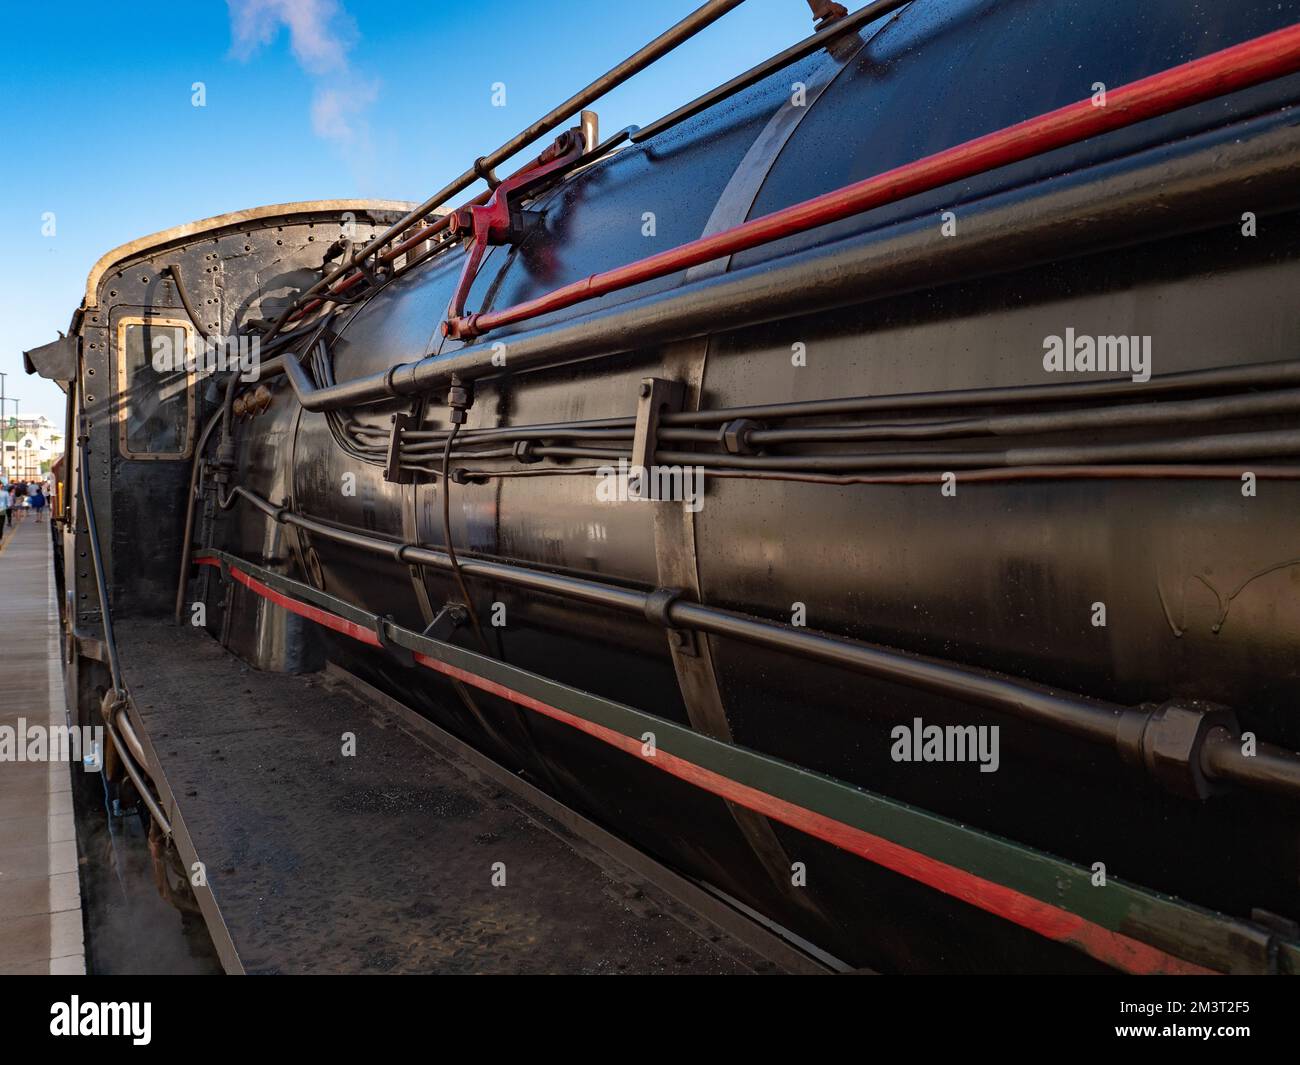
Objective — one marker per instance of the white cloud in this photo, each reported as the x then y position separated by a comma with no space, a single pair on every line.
321,33
335,109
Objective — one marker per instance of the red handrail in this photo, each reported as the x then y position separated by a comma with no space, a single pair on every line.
1238,67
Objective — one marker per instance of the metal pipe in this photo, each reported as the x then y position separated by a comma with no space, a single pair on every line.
114,662
617,429
589,131
589,592
428,443
227,410
448,544
1252,375
65,485
1270,768
308,395
1096,718
1218,74
190,312
1090,719
1093,720
1191,449
666,42
1136,415
123,723
182,581
266,370
97,559
1255,375
1189,472
1002,476
137,778
283,341
1193,183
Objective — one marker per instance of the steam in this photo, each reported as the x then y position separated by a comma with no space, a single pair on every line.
321,33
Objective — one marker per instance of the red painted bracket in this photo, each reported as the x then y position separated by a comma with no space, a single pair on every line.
493,222
1240,66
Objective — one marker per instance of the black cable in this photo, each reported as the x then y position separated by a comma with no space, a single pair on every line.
446,535
193,315
368,444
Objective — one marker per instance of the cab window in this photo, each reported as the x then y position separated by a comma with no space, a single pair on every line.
155,388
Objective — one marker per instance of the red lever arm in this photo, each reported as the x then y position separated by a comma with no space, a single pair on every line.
489,223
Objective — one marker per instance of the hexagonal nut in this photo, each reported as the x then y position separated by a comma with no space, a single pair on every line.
1171,746
735,435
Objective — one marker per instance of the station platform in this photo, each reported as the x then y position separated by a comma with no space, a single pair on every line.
41,928
339,832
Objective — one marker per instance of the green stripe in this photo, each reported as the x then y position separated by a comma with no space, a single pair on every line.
1208,938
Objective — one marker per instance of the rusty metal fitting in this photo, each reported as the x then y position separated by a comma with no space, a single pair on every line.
460,221
486,172
558,147
465,328
252,402
824,12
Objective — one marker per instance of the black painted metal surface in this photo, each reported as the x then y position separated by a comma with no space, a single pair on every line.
1003,576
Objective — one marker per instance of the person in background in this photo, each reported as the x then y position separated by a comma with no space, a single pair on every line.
6,518
37,502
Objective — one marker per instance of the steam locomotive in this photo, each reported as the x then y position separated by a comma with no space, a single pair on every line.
869,489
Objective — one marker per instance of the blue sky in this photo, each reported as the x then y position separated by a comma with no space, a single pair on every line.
305,99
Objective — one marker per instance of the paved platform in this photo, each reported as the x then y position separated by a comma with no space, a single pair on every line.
40,897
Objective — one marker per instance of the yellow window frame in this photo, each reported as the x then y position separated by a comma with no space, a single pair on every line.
123,384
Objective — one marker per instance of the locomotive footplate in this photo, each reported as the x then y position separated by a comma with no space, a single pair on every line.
327,829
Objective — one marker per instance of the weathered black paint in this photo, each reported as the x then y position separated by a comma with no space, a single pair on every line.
1002,576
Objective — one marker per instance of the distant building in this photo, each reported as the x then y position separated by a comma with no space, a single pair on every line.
30,445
